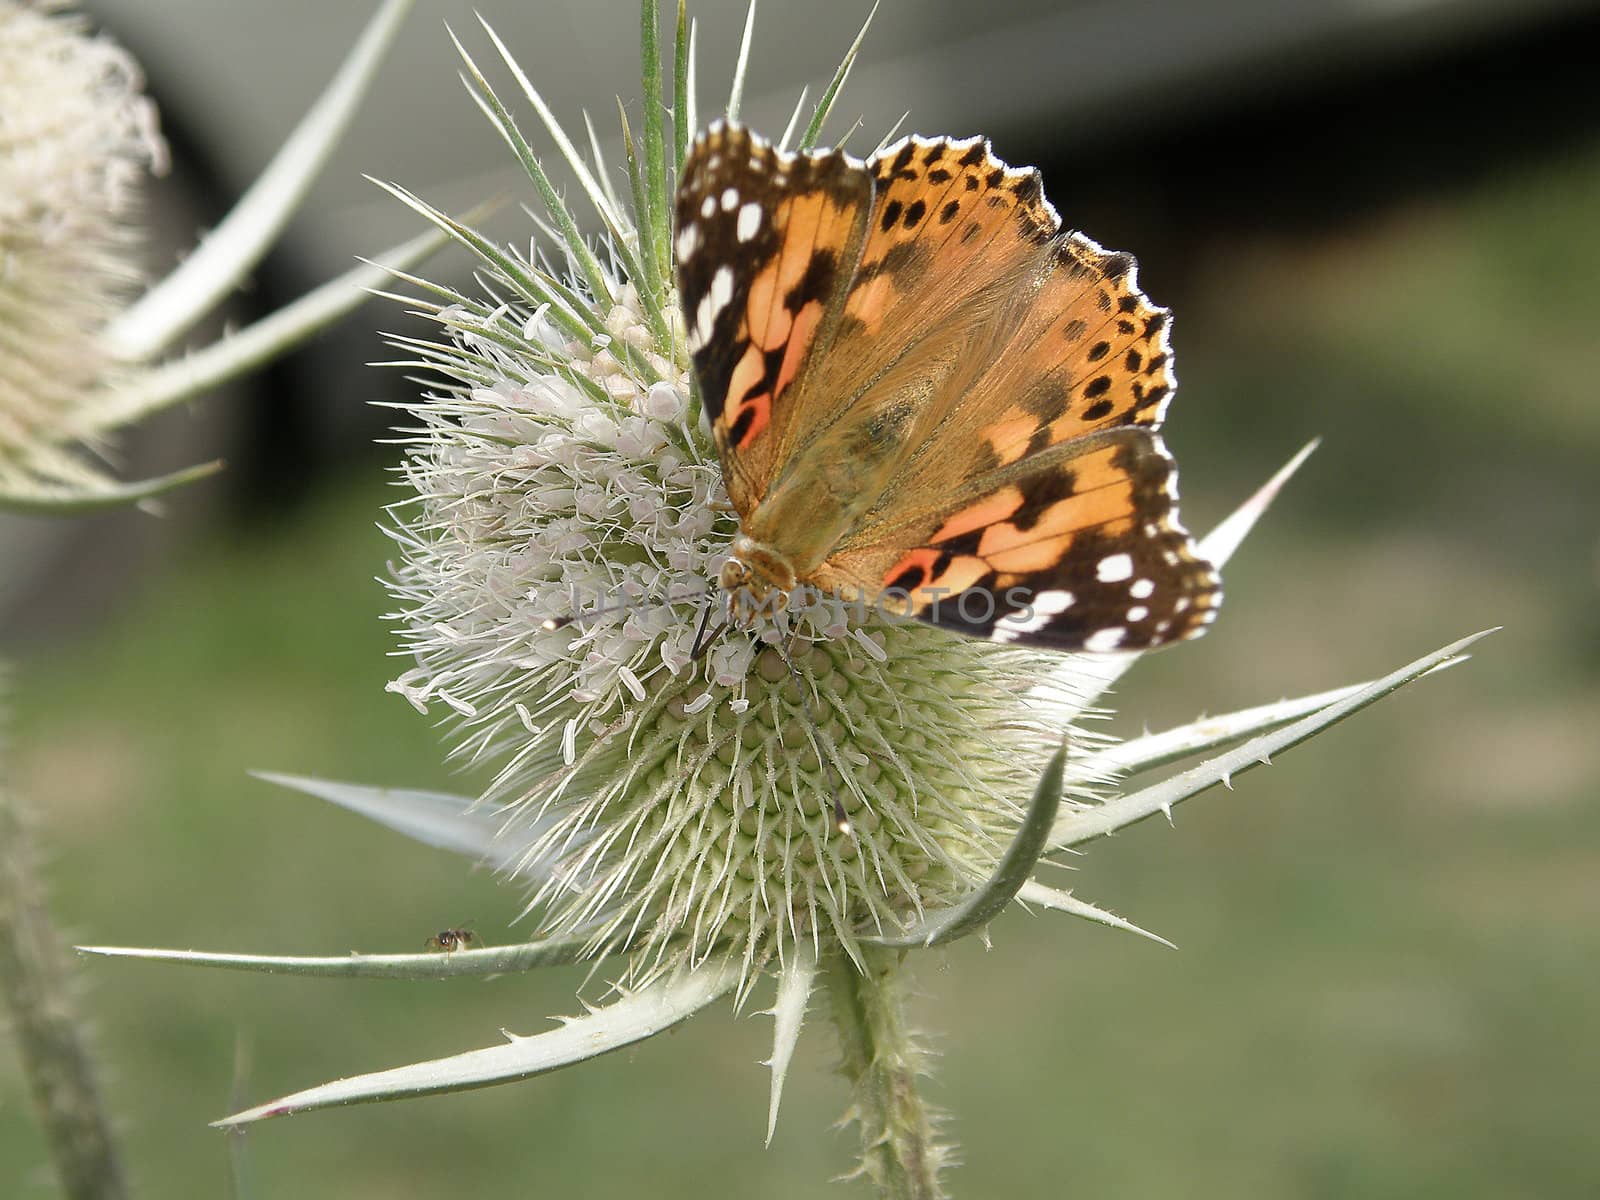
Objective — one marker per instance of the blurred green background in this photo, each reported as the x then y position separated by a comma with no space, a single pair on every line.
1390,964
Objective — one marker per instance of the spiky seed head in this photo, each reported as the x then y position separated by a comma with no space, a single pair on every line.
562,533
77,136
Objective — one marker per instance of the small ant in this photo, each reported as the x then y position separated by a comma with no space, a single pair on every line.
451,940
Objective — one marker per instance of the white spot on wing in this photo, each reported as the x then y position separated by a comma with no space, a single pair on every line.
701,331
711,304
1044,606
749,221
1138,613
730,199
721,292
688,242
1104,639
708,206
1141,589
1054,603
1114,568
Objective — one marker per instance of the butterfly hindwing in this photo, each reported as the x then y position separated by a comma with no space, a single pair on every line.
1074,548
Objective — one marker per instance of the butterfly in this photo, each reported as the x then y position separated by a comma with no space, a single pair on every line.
924,392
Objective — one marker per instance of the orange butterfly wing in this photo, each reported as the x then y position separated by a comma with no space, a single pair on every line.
927,300
766,246
1075,547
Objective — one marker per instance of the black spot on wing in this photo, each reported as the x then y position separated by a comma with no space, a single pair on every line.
741,424
1028,188
905,261
816,284
1152,396
1040,492
973,611
1046,397
1117,264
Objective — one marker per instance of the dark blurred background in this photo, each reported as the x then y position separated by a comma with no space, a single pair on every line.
1376,221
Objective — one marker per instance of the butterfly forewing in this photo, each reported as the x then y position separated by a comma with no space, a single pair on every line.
1087,351
766,246
954,240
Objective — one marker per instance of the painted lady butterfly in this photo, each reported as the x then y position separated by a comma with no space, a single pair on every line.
921,388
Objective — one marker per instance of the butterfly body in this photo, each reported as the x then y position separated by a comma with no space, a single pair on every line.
926,395
755,576
788,535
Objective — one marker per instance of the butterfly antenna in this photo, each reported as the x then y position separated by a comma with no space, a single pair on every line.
551,624
841,819
702,639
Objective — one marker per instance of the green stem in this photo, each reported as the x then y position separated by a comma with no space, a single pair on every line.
899,1151
55,1060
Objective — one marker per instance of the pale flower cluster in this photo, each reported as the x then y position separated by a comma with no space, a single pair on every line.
77,135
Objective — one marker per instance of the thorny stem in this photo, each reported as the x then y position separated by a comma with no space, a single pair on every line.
899,1152
33,982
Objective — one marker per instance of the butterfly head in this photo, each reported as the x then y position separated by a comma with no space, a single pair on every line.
756,578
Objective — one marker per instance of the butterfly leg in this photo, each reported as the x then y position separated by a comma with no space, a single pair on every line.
703,640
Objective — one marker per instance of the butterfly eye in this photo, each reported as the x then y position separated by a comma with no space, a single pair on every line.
734,576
